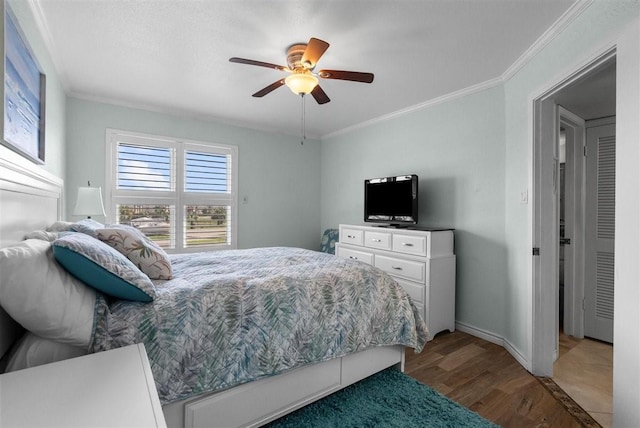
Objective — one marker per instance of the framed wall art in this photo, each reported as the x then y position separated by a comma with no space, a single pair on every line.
24,93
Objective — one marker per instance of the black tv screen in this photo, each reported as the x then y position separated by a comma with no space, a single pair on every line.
392,200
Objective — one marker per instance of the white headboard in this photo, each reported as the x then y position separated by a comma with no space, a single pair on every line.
30,199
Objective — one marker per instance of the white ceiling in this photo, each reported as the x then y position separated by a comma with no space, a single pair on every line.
172,55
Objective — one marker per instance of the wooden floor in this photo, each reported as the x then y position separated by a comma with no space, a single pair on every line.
487,379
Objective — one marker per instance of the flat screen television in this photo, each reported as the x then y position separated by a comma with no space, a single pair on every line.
391,200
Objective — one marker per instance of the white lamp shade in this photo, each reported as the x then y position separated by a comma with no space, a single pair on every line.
89,202
301,83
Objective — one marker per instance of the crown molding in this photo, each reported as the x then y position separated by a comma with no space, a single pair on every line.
430,103
47,38
558,27
185,114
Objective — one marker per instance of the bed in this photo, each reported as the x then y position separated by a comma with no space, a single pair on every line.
214,362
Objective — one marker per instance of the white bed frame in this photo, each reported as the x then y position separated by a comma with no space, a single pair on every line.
31,199
256,403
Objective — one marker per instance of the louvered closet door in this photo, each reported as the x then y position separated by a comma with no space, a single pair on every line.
600,232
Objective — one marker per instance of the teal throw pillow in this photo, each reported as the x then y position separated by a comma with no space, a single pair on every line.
102,267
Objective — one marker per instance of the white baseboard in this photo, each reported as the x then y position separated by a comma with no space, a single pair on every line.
498,340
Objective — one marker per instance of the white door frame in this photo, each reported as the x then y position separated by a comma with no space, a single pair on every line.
545,236
574,253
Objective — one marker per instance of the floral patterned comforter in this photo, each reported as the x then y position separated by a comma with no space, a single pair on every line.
230,317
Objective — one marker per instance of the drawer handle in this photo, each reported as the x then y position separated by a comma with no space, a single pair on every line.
353,257
396,267
351,237
376,240
407,244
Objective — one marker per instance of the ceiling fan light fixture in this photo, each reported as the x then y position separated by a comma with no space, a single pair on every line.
302,59
301,83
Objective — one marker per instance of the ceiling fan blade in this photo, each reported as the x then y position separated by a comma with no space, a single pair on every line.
264,91
319,95
354,76
259,63
313,52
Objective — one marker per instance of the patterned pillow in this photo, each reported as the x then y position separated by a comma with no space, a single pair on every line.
102,267
329,239
142,251
88,226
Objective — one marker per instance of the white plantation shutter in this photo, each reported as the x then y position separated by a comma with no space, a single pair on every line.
144,168
182,194
209,195
206,172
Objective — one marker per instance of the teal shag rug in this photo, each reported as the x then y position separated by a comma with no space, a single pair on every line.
387,399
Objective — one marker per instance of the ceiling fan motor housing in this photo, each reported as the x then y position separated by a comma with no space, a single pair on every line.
294,57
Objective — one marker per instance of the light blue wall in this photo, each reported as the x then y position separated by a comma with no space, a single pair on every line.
279,177
473,156
55,95
457,149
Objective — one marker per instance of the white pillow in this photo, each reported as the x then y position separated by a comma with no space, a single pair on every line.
60,226
32,350
42,296
42,234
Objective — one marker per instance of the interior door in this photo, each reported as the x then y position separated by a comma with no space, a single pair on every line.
600,232
573,227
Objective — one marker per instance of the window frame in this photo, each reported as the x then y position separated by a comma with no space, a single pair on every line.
177,197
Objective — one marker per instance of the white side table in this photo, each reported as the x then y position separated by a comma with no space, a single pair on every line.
105,389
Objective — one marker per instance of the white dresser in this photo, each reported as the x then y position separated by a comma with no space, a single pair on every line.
422,261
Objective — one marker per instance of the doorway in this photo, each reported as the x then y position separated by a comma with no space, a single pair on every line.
590,94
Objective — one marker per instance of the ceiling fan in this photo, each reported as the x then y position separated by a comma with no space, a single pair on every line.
302,59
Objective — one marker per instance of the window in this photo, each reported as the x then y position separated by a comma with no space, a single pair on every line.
181,194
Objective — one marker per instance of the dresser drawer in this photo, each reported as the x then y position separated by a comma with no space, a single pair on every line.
348,253
352,236
408,244
415,291
380,240
403,268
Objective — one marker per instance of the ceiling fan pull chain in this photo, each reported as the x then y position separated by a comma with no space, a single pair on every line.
303,124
